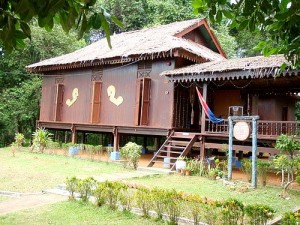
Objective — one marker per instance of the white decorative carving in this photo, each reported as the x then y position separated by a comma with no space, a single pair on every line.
111,91
75,94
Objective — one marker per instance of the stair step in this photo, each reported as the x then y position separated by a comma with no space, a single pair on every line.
182,143
174,146
174,152
183,135
163,156
155,161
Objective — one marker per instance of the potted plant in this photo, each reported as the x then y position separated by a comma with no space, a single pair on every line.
73,149
181,163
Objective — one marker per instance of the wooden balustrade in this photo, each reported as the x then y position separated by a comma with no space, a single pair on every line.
265,128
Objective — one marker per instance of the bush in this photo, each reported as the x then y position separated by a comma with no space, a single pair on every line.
84,187
291,218
72,184
131,152
173,207
19,139
159,201
263,167
259,214
41,138
143,200
232,212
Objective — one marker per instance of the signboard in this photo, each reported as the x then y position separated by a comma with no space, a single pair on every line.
241,130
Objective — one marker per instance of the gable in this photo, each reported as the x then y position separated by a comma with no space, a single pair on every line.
201,34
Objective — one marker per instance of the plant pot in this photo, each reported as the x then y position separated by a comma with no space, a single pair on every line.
73,150
187,172
180,165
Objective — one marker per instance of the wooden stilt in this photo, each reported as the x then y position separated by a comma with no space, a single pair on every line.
74,135
116,139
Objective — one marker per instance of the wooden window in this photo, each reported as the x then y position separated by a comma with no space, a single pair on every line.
95,104
142,101
59,102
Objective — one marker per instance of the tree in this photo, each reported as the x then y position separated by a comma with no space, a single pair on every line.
16,17
20,91
277,20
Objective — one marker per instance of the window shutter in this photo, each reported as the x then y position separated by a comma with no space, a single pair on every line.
137,102
59,102
95,104
145,101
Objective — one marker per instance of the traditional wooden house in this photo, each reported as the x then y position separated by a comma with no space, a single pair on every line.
120,90
142,87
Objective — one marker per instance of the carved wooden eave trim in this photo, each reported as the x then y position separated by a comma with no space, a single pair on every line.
121,60
230,75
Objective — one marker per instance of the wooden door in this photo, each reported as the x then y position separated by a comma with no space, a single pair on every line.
142,101
59,102
145,101
95,103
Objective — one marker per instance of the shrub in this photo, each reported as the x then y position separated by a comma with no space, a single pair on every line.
143,200
84,187
72,184
259,214
173,207
195,203
40,139
111,191
159,200
19,139
131,152
232,212
247,168
263,167
291,218
125,198
99,194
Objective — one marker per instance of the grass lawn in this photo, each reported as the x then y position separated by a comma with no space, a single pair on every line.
33,172
216,190
2,198
73,213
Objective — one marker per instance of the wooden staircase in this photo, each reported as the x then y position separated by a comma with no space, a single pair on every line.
177,144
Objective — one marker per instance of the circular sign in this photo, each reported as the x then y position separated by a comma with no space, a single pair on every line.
241,131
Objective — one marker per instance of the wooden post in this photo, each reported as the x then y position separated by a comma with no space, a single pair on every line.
204,95
66,136
230,148
254,152
74,134
116,139
202,148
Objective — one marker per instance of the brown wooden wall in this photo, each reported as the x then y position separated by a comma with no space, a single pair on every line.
124,79
223,99
271,108
195,36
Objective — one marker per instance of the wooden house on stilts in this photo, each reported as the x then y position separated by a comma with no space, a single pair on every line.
145,85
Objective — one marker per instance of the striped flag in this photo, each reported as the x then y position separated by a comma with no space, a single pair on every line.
207,110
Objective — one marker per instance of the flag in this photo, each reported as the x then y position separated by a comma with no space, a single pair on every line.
207,110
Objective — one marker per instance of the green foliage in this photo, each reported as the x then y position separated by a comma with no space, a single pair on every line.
143,200
275,19
247,168
159,201
110,191
232,212
131,152
19,139
290,218
85,187
41,138
17,18
71,186
93,150
287,144
263,167
259,214
173,207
